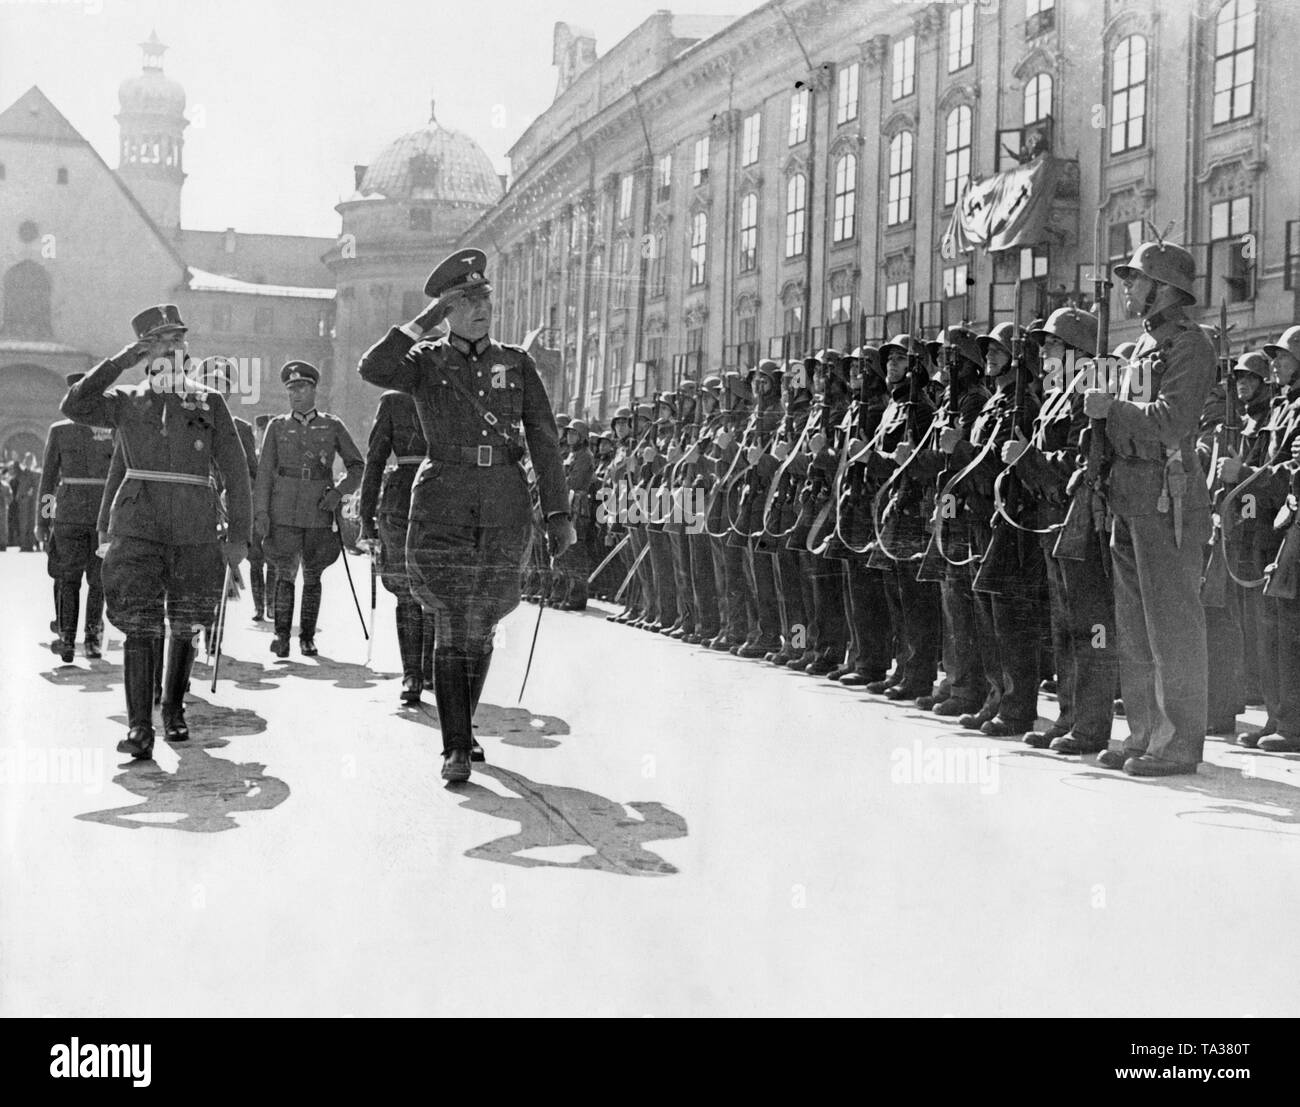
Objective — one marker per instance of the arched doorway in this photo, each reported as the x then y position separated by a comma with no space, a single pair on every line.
29,403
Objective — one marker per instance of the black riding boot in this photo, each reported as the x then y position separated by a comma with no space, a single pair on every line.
427,643
94,616
176,680
69,606
284,597
138,678
307,616
478,671
409,641
259,590
157,670
455,716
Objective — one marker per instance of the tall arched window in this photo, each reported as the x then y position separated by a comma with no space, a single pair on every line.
27,301
1038,98
846,198
1128,94
956,159
1234,61
796,212
898,208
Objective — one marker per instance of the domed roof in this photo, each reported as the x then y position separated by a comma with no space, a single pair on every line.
433,163
151,91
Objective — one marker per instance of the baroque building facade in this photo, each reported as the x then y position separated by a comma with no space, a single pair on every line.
708,193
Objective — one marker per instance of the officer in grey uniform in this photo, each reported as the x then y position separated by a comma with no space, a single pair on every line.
296,501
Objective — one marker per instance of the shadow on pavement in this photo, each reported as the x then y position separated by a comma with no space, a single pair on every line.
99,677
1244,797
344,674
550,815
204,793
515,726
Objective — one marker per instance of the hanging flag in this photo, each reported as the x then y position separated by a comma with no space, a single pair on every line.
1004,211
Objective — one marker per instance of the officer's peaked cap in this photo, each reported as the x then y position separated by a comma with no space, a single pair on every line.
293,371
462,271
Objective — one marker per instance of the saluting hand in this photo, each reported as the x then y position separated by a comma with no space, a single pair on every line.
130,356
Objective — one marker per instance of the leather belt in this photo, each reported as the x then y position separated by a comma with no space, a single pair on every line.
410,459
304,472
83,480
163,477
481,456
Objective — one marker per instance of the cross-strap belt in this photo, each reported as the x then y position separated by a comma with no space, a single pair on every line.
83,480
410,459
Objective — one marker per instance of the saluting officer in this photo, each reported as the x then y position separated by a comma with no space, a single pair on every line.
296,501
1161,507
471,516
164,557
72,481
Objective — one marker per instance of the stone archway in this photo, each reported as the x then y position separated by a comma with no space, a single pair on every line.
29,402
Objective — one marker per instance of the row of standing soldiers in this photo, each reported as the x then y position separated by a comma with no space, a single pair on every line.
880,516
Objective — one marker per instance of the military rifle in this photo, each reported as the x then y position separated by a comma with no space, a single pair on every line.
1088,510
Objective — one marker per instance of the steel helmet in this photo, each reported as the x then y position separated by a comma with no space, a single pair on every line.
961,339
1288,343
1164,262
1073,326
1256,364
903,344
580,428
1001,335
563,420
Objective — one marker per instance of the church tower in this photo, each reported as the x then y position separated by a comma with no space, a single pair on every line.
152,124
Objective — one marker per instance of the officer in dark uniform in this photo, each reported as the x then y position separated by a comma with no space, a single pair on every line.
72,482
1161,508
471,517
164,557
384,512
296,501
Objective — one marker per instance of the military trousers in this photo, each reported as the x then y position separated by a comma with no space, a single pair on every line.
1161,629
760,580
148,584
790,594
1083,604
1282,637
870,628
665,584
681,575
920,620
468,577
314,549
704,586
1022,627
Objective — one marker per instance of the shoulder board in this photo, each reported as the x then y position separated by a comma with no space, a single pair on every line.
62,423
515,349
